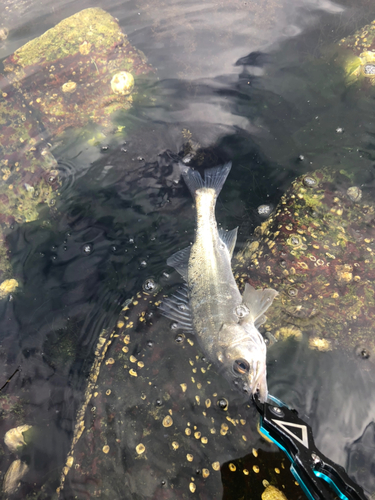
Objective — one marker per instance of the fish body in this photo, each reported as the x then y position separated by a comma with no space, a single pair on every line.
210,304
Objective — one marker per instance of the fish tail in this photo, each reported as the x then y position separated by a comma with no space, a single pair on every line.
214,178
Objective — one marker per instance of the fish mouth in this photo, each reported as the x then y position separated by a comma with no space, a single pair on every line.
257,383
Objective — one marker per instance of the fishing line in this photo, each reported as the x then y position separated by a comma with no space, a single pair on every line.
10,378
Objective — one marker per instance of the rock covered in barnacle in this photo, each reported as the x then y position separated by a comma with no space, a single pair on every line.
161,406
356,55
318,252
86,70
64,78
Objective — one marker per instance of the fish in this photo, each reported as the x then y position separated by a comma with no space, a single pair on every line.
209,303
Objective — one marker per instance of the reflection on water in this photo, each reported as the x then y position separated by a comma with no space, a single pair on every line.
252,82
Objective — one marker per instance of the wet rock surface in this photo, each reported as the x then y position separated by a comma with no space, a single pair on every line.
65,75
159,422
317,251
59,80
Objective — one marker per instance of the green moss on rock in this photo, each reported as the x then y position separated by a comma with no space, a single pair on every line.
356,55
88,30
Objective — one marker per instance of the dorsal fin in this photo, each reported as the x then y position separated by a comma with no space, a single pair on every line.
179,261
229,238
257,301
177,308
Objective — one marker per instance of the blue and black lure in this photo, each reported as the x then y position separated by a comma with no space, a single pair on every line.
319,477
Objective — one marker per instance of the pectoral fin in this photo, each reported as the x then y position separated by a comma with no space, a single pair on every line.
179,261
257,301
177,309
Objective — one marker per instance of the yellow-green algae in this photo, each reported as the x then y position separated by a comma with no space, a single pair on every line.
94,28
7,287
354,52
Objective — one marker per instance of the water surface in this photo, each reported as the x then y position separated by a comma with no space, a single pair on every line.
239,81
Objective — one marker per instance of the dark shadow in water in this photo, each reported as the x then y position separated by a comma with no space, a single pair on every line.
360,462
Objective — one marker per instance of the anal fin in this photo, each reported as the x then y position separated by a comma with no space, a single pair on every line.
229,238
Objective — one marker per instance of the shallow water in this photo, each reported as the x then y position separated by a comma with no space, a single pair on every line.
240,81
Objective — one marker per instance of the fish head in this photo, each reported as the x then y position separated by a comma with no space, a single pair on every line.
244,363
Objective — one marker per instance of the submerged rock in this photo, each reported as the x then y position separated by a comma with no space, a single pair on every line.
318,251
67,74
361,458
64,78
179,429
356,55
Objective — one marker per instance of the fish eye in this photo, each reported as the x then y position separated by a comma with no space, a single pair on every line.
241,366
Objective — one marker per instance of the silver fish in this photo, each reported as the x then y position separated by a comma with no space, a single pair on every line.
210,304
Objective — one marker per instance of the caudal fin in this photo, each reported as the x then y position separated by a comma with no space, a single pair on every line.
214,178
